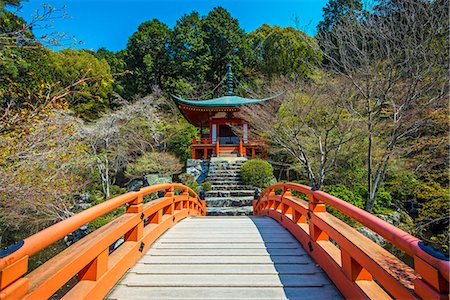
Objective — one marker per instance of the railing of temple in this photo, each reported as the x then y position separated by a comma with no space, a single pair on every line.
359,267
96,266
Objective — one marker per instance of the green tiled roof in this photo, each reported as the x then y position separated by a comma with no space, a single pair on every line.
226,101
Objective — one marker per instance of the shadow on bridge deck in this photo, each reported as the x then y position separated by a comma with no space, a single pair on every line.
299,275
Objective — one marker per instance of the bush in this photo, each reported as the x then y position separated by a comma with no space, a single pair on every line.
343,193
207,186
383,200
257,172
189,181
154,162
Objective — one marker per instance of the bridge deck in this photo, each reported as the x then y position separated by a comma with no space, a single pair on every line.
224,258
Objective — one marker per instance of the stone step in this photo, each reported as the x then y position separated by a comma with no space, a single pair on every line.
215,173
224,176
224,183
229,211
233,193
228,169
229,202
232,187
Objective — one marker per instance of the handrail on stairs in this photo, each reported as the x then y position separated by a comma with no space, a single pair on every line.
96,268
359,267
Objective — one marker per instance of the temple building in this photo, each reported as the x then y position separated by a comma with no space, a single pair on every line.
216,119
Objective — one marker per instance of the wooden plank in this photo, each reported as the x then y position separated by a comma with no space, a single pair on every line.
223,252
221,280
226,259
164,245
137,293
220,239
225,269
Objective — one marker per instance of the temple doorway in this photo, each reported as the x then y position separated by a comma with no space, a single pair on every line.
227,136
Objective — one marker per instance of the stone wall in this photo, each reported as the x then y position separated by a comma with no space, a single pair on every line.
199,168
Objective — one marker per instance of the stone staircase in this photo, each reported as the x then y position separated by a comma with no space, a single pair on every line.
229,195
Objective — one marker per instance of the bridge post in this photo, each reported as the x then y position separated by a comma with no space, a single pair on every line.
352,269
432,285
94,270
10,284
169,194
286,209
315,206
135,207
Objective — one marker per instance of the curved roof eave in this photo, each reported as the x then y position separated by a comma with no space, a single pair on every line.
225,101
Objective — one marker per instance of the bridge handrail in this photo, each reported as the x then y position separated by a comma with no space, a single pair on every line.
425,264
50,235
399,238
14,265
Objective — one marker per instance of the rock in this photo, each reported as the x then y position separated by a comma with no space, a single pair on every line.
157,179
199,168
372,235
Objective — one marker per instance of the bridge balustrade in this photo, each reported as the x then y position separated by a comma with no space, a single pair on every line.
359,267
97,268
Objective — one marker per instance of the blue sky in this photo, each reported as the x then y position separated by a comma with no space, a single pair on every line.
109,23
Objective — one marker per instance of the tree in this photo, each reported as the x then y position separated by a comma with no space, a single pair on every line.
226,42
90,98
396,57
154,162
190,52
117,136
334,11
41,168
116,62
148,57
284,51
311,124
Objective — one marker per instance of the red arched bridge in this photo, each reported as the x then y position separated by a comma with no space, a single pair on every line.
291,248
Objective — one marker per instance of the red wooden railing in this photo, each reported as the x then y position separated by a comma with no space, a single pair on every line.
360,268
96,268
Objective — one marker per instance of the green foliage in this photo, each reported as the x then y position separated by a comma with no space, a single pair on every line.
154,162
191,53
89,98
334,10
284,51
226,42
147,57
206,185
180,137
357,197
116,61
343,193
427,191
189,181
383,200
257,172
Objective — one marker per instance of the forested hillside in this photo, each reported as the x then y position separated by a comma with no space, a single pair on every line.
363,116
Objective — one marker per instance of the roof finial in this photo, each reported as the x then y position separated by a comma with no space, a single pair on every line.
230,81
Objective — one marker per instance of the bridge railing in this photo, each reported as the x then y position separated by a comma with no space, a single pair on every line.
359,267
96,265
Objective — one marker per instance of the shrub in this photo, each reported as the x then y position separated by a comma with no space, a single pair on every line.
207,186
189,181
154,162
343,193
257,172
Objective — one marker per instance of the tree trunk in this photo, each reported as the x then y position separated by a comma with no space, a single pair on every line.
370,200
